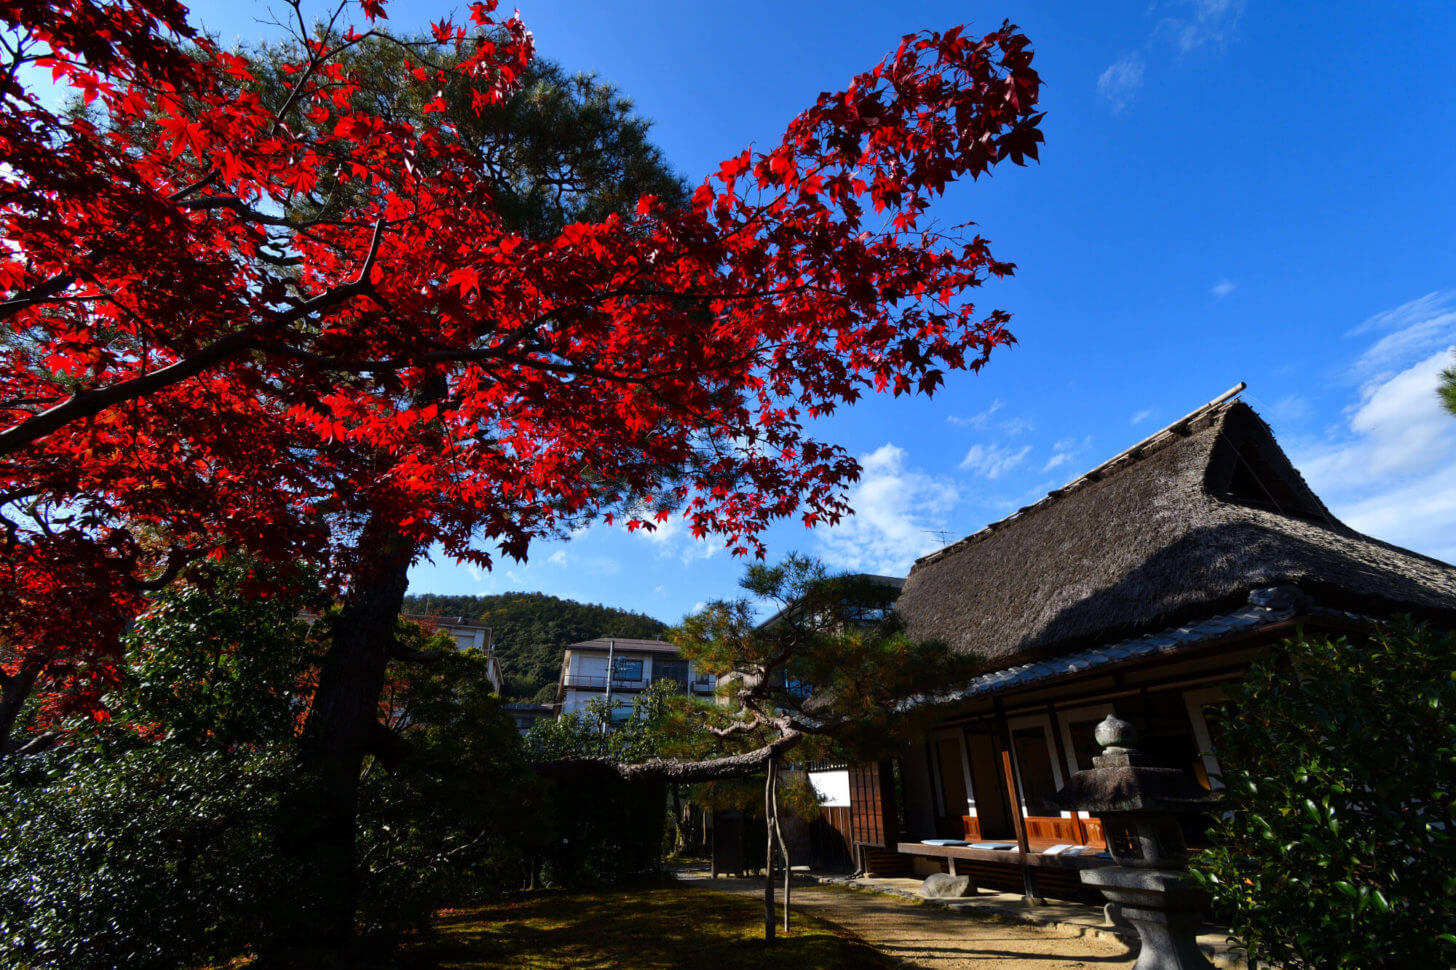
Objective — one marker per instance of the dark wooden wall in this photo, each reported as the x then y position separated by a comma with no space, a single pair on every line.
872,806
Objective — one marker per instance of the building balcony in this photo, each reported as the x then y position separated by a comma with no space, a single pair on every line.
701,685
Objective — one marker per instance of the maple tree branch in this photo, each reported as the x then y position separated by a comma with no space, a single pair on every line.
362,280
315,58
208,177
387,747
406,655
39,293
47,289
83,403
234,204
177,559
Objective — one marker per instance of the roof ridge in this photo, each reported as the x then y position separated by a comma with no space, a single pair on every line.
1150,445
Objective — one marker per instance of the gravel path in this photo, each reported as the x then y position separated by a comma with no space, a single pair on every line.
931,937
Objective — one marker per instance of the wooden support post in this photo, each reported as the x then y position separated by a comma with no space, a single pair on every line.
937,784
1013,781
1028,882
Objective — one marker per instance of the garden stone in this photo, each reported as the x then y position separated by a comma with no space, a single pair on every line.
942,885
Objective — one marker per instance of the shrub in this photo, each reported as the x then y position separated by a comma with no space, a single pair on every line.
459,814
605,830
1340,850
124,855
160,838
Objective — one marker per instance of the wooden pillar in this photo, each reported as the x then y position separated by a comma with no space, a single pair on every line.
1013,781
936,783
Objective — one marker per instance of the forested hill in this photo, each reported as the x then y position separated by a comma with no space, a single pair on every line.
531,630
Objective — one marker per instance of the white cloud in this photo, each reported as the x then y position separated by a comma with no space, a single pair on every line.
982,420
1398,429
662,533
993,461
1418,515
1184,26
897,510
1388,470
1064,451
1411,330
1142,416
1120,83
1201,22
557,558
1222,288
1057,460
977,421
673,539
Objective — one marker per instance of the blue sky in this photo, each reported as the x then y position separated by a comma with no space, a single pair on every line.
1229,191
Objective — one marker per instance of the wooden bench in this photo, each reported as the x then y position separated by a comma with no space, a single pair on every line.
1006,857
999,870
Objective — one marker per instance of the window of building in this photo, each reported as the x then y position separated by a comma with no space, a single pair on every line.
673,670
625,668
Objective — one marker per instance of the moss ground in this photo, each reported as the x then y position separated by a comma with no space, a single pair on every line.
651,928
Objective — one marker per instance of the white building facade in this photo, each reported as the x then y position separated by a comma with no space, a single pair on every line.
618,669
468,635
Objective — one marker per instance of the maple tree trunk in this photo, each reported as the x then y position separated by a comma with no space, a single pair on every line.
336,739
12,699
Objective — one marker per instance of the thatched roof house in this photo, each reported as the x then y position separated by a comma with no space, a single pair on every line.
1144,588
1186,524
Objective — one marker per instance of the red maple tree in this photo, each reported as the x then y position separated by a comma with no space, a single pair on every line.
298,325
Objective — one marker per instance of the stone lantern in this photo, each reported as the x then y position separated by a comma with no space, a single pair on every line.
1140,805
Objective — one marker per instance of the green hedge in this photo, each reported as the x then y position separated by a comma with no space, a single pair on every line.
1340,851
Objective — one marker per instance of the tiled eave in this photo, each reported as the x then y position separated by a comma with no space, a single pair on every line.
1266,608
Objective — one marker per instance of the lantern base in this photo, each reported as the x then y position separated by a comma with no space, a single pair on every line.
1165,906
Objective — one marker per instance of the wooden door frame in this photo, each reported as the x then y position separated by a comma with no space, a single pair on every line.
1195,701
1097,709
1043,721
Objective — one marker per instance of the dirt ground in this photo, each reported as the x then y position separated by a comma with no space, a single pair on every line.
931,937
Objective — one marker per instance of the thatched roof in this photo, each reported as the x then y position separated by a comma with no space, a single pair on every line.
1184,525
